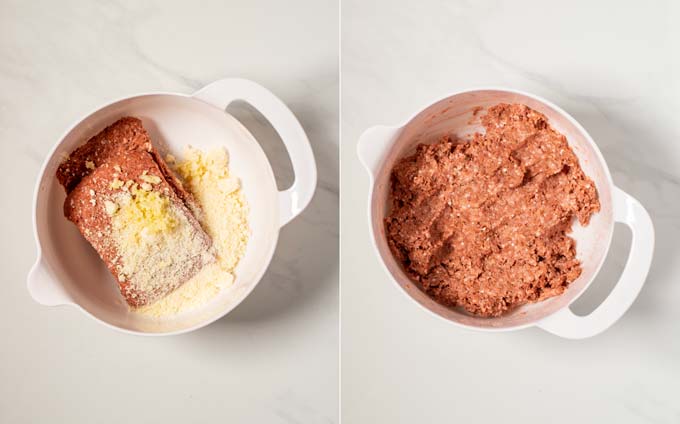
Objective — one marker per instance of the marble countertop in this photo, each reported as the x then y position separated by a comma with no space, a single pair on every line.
612,65
275,358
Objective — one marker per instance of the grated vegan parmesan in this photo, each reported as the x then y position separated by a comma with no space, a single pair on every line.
224,218
154,240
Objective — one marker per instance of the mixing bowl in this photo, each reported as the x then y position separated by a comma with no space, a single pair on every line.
68,271
380,147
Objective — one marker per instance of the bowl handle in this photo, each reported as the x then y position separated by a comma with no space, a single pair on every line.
372,146
629,211
293,200
44,288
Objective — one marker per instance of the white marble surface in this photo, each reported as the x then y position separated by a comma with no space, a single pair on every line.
275,358
615,67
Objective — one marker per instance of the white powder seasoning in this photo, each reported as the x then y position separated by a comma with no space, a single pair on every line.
224,216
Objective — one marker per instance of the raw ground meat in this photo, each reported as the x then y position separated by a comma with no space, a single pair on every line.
483,224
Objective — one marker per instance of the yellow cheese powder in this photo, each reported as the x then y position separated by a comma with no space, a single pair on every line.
224,218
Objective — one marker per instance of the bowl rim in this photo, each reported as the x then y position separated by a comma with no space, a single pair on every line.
36,236
379,169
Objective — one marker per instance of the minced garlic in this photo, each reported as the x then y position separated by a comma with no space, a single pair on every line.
151,179
224,217
110,207
116,184
144,212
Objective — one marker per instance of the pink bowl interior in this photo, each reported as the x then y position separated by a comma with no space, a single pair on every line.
454,115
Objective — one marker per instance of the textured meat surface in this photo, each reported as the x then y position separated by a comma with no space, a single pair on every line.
483,224
108,168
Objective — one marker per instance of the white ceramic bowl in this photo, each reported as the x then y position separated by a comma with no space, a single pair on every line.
380,147
69,272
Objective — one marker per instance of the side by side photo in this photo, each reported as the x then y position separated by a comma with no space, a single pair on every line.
339,212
